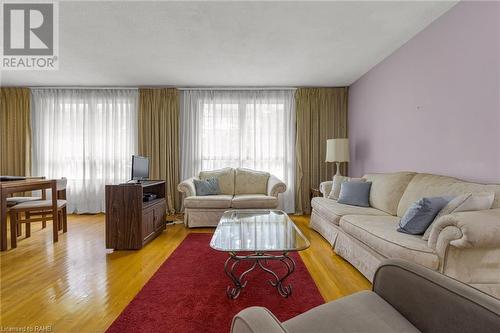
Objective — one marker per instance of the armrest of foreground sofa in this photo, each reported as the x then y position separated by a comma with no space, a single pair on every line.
475,229
275,186
325,188
434,302
256,319
428,301
187,187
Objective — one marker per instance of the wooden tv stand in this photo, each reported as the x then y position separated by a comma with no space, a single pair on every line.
130,222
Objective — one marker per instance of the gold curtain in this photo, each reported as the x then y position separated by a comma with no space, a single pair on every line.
159,138
15,132
321,115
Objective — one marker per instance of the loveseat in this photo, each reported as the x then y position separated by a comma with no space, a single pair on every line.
464,245
239,189
406,298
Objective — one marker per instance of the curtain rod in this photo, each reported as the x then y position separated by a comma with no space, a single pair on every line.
181,88
237,88
83,87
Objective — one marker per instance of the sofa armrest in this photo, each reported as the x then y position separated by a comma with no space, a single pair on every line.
475,229
275,186
256,319
187,187
434,302
325,188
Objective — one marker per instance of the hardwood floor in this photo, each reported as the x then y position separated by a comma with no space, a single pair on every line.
76,285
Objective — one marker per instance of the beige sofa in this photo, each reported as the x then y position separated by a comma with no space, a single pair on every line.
240,189
464,245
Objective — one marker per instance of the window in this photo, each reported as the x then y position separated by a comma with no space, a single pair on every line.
87,136
244,135
248,129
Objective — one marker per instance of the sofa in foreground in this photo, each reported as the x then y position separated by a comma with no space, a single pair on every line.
406,297
240,189
464,245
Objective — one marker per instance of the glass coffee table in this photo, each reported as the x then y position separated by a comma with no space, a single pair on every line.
257,236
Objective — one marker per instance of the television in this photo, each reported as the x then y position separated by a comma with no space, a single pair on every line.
140,167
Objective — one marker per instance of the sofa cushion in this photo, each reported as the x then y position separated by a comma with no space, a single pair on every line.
254,201
426,185
364,311
224,176
333,211
380,234
355,194
387,189
209,201
251,181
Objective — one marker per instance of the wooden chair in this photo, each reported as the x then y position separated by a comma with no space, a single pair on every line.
39,211
12,201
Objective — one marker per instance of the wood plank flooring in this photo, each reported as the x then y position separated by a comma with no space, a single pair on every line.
76,285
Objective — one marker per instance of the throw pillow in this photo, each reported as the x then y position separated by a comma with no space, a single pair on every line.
209,186
420,215
355,193
462,203
477,201
337,182
448,209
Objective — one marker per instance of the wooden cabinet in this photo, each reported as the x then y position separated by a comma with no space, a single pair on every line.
147,223
130,222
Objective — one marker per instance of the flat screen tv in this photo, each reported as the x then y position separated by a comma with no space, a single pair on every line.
140,167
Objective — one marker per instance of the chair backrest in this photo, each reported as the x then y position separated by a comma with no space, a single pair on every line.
61,184
433,302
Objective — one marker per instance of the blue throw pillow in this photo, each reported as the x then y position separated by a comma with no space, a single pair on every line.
420,215
355,193
207,187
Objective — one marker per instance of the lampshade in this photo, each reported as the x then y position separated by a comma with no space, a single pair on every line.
337,150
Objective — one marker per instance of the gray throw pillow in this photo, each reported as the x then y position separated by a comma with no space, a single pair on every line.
420,215
337,182
355,194
209,186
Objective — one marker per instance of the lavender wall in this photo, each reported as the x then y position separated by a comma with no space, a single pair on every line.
434,105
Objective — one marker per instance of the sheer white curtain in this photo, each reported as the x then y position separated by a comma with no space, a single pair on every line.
240,128
87,136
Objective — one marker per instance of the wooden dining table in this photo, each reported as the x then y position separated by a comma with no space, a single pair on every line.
18,186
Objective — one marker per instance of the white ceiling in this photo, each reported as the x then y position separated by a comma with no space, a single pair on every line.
227,43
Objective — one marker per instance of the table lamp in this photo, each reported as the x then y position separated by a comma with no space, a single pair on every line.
337,150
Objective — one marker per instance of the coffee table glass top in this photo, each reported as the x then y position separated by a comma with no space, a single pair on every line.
257,231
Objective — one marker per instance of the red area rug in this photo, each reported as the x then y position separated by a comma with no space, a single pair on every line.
188,293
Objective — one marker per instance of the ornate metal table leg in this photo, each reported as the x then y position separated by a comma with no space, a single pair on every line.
284,290
258,259
229,269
